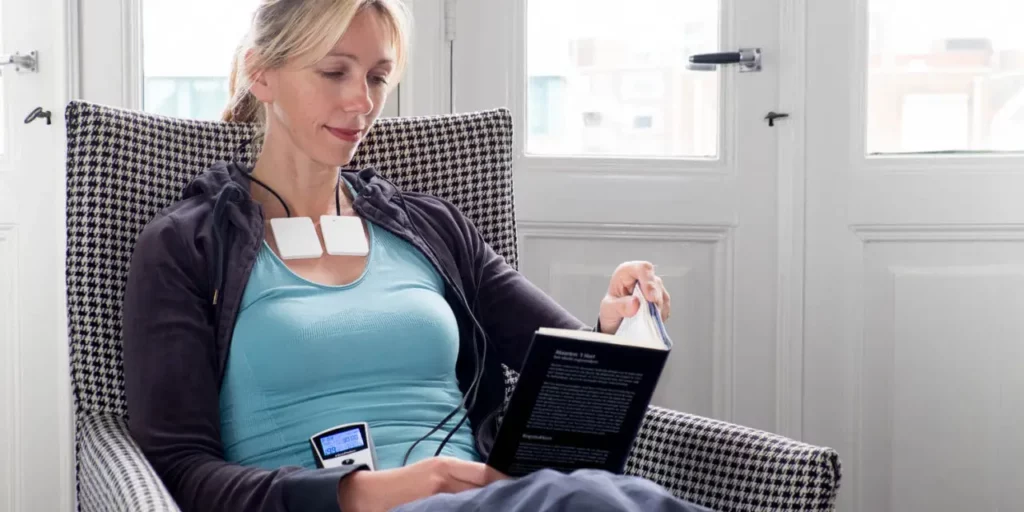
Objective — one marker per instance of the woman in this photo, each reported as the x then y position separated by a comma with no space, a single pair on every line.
234,355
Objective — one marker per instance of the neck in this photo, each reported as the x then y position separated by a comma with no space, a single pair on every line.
309,187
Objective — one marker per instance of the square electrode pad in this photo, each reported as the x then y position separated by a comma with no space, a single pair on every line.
296,238
344,235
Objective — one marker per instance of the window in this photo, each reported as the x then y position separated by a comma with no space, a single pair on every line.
592,64
545,113
192,97
945,76
187,58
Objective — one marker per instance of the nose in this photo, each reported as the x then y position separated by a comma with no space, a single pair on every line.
356,97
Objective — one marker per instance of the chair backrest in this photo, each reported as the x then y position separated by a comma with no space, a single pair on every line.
125,166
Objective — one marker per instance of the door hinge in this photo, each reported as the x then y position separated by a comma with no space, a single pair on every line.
449,20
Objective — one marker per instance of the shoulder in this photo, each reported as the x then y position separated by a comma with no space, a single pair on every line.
177,231
443,214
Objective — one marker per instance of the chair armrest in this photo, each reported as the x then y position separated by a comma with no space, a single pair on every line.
113,474
727,467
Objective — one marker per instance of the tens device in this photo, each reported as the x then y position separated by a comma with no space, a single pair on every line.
342,238
344,445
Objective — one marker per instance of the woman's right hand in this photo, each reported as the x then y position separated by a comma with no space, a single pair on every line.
380,491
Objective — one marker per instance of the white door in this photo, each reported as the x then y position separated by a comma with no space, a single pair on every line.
36,458
623,153
915,261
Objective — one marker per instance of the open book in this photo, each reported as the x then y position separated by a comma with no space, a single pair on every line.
582,396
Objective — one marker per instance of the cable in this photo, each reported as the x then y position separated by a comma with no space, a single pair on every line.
287,211
469,399
474,390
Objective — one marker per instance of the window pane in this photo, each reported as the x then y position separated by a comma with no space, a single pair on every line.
187,58
612,81
945,76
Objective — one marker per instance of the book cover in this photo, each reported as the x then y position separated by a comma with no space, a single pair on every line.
581,398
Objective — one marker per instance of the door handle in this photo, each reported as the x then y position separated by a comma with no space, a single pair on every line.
749,60
28,62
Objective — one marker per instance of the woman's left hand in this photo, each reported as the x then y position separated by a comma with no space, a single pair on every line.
620,303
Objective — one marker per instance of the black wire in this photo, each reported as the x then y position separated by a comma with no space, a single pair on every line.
337,195
469,399
287,211
471,393
475,387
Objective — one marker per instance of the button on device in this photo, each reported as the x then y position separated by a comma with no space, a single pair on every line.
348,462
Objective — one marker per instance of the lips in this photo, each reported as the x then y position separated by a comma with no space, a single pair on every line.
346,134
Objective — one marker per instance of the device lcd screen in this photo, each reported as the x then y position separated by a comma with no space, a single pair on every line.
342,442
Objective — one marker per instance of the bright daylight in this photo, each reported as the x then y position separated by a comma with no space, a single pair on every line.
511,255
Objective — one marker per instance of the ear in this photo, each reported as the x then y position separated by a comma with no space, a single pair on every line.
260,81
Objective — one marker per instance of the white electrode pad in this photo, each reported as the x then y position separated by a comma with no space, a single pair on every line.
344,235
296,238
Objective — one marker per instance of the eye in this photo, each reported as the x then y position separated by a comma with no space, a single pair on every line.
379,79
332,75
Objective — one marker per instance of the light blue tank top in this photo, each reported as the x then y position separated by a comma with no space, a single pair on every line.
306,357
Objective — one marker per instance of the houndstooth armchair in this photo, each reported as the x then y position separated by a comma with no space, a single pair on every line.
124,166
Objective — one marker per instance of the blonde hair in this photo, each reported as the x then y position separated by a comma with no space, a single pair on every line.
283,30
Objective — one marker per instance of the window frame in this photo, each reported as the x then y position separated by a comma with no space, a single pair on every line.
110,58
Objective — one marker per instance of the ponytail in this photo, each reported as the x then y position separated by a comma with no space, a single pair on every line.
242,106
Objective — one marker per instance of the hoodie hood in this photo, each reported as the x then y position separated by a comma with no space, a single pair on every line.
211,182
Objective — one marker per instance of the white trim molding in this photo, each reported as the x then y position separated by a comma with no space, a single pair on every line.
425,88
10,477
792,218
939,233
73,48
131,59
110,52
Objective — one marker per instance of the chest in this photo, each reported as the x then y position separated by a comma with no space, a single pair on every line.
327,270
386,314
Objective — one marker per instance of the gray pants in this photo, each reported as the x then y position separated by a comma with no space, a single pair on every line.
551,491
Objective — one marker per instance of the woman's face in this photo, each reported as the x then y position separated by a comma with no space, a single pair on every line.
326,109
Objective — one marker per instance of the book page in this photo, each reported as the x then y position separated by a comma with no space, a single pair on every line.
641,326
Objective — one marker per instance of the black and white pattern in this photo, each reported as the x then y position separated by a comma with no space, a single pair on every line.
727,467
125,166
113,475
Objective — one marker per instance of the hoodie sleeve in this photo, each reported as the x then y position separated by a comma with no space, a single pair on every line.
172,389
509,306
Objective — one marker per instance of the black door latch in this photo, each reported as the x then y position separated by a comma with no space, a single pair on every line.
38,113
772,116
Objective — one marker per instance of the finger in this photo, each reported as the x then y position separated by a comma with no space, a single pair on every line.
654,290
621,307
628,274
666,308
